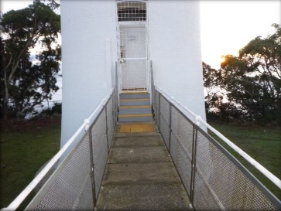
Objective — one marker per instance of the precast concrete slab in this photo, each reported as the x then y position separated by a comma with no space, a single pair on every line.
118,134
143,197
141,174
137,141
138,155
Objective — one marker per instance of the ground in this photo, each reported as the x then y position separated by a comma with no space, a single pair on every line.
25,147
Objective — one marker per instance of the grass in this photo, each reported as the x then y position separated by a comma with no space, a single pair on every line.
25,147
261,143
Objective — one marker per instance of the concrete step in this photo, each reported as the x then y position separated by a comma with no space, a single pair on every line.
140,174
143,197
134,95
153,140
135,109
138,155
135,117
135,102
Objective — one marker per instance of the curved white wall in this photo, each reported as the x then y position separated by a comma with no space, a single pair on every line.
174,47
87,27
88,57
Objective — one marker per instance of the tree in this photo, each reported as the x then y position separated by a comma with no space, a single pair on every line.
24,84
253,79
216,105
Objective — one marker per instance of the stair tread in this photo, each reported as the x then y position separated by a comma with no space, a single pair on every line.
135,99
134,106
133,115
137,92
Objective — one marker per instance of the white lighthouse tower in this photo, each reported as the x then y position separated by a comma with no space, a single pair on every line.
98,36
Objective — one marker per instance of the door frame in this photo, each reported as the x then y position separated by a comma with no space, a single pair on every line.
121,60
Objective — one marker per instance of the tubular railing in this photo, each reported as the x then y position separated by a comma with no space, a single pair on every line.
75,183
212,177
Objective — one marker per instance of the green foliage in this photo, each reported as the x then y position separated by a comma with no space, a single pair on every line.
251,81
25,85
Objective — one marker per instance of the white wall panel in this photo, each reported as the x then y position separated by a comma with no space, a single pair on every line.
87,27
89,33
174,48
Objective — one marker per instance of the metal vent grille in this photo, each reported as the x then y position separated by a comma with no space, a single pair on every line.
131,11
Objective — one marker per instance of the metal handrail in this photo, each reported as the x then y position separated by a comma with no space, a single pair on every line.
247,157
211,188
82,130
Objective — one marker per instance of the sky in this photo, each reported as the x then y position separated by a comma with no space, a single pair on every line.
226,26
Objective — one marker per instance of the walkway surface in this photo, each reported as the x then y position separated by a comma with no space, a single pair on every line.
140,174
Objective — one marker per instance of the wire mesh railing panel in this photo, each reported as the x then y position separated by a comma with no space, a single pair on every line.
222,184
71,185
100,149
164,120
156,106
179,140
164,109
164,130
86,200
110,121
182,129
212,177
182,161
182,137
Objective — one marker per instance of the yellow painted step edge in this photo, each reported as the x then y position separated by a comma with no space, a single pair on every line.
133,115
134,107
144,92
132,100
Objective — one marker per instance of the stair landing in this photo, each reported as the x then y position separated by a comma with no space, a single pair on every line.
140,174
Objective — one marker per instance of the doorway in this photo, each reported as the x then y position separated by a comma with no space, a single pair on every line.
133,57
132,45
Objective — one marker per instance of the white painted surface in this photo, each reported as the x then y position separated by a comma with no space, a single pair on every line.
133,48
89,32
87,29
174,48
134,73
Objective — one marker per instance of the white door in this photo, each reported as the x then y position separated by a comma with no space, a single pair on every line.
133,57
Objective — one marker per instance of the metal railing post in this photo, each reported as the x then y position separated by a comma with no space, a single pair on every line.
106,123
170,125
92,172
159,112
113,110
193,164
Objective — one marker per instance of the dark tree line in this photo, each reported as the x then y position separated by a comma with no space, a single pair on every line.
247,87
25,85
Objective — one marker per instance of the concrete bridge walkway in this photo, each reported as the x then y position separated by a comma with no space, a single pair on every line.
140,174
